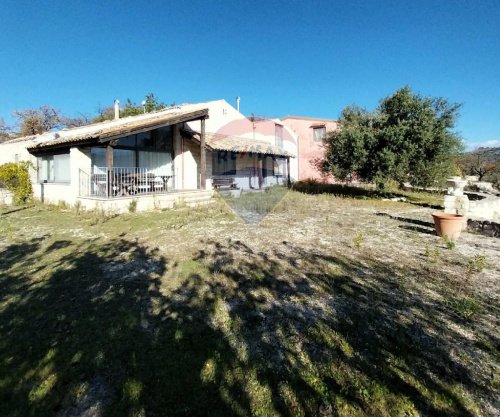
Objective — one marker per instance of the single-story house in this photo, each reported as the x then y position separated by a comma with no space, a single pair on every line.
156,158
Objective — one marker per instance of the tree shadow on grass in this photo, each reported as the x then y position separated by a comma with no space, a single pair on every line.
99,326
358,192
341,339
92,331
416,225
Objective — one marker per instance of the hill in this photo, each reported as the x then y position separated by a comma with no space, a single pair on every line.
488,154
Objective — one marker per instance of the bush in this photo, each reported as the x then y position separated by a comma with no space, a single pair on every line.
15,177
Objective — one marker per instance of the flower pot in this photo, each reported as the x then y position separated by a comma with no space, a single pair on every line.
449,225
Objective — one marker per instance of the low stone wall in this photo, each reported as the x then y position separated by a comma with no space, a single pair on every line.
486,209
6,198
148,202
484,227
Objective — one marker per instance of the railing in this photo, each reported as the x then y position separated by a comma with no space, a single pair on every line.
119,182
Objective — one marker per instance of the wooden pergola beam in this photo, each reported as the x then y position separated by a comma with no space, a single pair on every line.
288,181
109,169
203,157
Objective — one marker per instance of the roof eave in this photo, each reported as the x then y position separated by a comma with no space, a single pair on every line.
102,138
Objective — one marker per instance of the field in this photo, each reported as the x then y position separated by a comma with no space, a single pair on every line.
329,306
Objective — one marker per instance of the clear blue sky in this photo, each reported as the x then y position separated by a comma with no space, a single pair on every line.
307,58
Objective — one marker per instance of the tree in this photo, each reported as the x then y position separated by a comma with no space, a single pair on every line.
151,103
477,163
77,121
5,131
37,121
408,138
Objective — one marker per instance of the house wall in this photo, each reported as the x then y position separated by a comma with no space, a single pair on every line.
308,149
187,163
225,120
16,151
52,192
80,168
247,176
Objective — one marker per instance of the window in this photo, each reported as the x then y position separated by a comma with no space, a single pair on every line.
54,168
152,150
279,166
278,133
224,163
319,133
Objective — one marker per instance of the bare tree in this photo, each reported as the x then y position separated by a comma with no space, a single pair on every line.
5,131
37,121
77,121
477,163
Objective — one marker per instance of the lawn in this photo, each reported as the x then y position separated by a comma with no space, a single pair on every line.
329,306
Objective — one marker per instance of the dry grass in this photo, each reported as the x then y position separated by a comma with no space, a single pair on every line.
196,312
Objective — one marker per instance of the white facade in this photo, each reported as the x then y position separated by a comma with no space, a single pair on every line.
223,120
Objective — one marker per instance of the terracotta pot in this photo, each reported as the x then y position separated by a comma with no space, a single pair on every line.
448,224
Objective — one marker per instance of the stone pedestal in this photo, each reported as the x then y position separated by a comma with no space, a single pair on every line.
456,204
456,186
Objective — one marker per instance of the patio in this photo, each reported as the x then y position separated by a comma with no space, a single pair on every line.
124,181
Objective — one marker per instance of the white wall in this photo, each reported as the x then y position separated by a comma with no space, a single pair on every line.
16,151
226,120
52,192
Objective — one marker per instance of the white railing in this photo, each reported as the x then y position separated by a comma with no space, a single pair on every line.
123,181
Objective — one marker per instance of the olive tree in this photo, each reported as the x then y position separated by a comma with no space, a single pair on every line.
408,138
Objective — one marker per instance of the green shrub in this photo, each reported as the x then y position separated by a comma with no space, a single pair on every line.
450,243
78,207
132,206
358,240
476,264
464,307
15,177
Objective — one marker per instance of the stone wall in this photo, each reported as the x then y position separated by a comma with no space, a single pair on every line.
6,197
484,227
486,209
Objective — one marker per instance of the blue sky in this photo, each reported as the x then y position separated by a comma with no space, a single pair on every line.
308,58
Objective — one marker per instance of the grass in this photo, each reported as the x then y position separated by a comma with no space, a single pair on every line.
364,191
195,312
256,202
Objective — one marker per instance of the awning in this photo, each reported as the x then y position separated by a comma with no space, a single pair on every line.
114,129
242,145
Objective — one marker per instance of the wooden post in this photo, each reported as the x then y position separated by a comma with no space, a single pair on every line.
109,170
203,157
288,182
261,179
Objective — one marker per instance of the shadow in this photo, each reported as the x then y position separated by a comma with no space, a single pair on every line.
418,229
116,327
406,219
14,210
349,191
427,205
416,225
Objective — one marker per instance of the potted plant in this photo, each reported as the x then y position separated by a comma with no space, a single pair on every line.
448,224
451,224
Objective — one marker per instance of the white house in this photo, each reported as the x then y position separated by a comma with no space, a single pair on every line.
156,158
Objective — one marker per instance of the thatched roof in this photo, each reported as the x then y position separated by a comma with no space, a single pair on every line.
113,129
244,145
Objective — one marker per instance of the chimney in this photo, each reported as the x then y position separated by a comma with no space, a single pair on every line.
117,109
238,103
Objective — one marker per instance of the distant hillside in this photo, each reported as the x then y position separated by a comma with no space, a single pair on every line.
482,162
489,154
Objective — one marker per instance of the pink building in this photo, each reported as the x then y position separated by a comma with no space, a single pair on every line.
310,133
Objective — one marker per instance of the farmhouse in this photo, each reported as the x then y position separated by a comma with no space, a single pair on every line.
157,158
